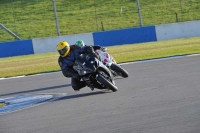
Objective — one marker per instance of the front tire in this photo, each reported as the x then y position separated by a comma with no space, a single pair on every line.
119,70
105,82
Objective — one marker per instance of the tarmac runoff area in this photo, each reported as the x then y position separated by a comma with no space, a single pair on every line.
11,104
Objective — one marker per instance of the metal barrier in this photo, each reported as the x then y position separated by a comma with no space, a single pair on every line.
10,32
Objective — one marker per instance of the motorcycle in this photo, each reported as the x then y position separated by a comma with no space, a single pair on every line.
94,73
110,62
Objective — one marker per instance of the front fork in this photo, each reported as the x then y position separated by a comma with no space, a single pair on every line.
112,71
106,77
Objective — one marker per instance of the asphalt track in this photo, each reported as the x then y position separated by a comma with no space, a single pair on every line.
159,97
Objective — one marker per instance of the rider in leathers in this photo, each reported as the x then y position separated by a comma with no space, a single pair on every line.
81,43
66,60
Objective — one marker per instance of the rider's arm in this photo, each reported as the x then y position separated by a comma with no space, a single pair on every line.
90,50
96,47
99,48
67,71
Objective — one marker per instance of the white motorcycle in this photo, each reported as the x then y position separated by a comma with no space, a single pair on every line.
110,62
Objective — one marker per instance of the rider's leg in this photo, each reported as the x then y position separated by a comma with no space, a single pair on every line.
77,84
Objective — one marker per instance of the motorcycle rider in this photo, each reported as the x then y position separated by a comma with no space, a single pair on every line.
81,43
68,55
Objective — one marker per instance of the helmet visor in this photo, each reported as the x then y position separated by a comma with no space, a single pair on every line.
63,51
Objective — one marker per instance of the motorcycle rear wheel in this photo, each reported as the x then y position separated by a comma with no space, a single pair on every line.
120,70
107,83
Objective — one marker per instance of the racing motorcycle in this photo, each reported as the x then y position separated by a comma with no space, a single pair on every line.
94,73
110,62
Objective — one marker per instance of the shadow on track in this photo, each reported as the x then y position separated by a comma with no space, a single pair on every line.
36,90
83,95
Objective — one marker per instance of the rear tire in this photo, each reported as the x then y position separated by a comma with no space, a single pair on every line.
107,83
120,70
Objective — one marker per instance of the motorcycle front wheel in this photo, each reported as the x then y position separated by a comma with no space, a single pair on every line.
119,70
107,83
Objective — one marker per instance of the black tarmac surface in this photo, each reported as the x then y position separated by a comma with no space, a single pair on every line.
158,97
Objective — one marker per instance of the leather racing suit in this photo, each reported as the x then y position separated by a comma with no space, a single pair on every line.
66,64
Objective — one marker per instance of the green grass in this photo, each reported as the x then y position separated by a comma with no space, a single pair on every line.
35,18
156,49
40,63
